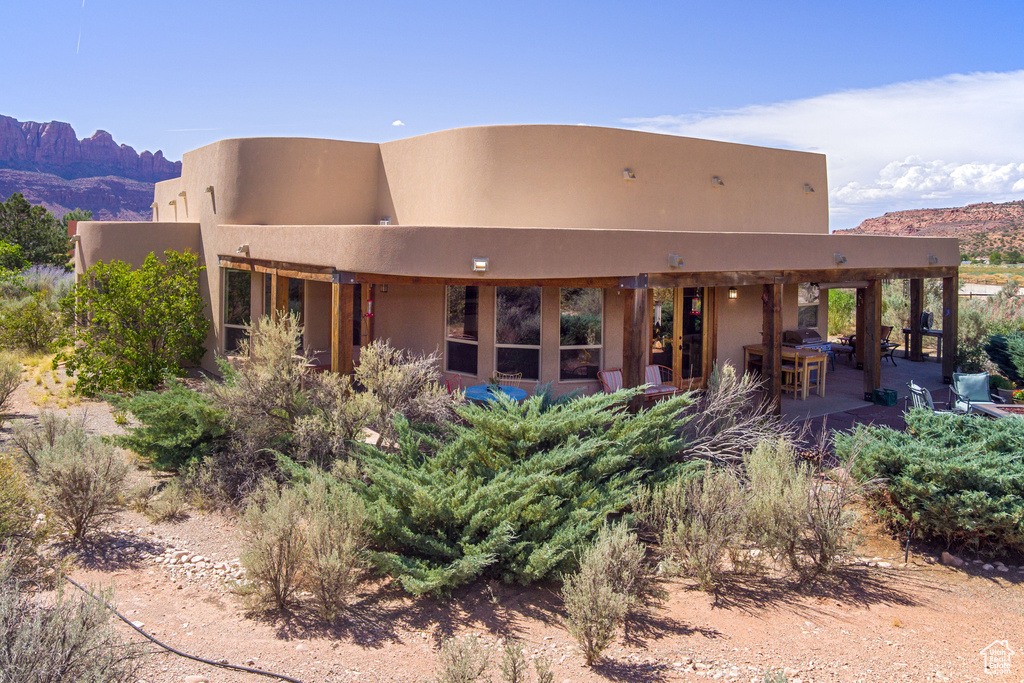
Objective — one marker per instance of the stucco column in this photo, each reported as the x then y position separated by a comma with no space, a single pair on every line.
771,338
950,320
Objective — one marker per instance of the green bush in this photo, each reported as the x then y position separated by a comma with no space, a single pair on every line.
69,640
10,380
179,426
18,507
516,491
1007,353
841,304
31,323
141,324
954,478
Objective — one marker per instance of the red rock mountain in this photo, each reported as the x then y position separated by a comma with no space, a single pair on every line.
49,165
981,228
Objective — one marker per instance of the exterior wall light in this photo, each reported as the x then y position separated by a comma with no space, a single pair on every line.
675,261
153,205
209,188
182,193
808,189
173,202
716,181
628,175
733,293
74,239
385,220
933,259
839,258
242,249
479,264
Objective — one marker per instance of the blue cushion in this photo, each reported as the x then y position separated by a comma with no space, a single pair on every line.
974,387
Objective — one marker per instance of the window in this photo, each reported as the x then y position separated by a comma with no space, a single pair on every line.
579,333
807,305
517,331
237,307
462,329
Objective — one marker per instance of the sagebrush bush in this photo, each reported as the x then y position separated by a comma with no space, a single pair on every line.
334,524
954,478
179,426
513,665
32,323
168,505
68,640
274,550
10,379
594,610
51,428
81,482
18,507
461,660
514,493
618,553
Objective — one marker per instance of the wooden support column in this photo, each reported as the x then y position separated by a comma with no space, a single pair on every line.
916,309
771,337
278,296
342,311
858,342
950,321
872,344
634,336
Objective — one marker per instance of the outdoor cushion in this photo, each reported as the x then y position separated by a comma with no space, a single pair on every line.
974,387
652,375
611,380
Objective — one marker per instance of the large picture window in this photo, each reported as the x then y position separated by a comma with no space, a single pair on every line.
807,305
462,329
580,333
517,331
237,307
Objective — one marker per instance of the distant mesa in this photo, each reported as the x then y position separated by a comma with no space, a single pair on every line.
54,148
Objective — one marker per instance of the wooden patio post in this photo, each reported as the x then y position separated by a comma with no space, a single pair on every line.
858,341
950,320
342,312
771,337
634,336
278,296
916,309
872,344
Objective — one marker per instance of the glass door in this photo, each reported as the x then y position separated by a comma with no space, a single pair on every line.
682,326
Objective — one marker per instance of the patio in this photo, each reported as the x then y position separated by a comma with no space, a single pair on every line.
843,404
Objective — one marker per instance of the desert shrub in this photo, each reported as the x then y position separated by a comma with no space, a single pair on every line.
513,665
10,379
542,667
461,660
141,324
31,323
18,508
515,491
274,551
698,519
622,558
56,281
954,478
841,305
52,428
335,538
593,607
168,504
979,319
1007,353
68,640
81,482
178,425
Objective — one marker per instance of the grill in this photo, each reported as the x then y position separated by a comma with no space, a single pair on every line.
804,338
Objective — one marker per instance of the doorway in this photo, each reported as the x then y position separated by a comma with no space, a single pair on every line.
682,332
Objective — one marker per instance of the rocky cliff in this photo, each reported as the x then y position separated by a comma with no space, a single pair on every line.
55,149
981,228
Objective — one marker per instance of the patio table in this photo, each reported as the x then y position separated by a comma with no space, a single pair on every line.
482,392
934,334
813,359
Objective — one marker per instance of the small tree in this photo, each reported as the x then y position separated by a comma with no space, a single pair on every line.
35,230
142,324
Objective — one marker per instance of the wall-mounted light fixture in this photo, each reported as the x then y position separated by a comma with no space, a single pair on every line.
209,188
173,202
839,258
385,220
716,181
153,205
733,293
74,239
479,264
242,249
675,261
182,193
808,189
628,175
933,259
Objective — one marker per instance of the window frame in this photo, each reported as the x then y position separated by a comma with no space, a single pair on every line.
600,347
540,336
457,340
224,310
800,306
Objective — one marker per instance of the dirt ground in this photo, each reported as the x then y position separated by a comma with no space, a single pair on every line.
879,620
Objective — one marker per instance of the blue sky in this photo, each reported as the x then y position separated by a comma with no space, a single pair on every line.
915,104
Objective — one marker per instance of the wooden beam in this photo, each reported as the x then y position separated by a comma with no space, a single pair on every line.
858,344
342,312
634,336
916,309
950,321
292,270
771,337
353,278
759,277
279,296
710,331
872,345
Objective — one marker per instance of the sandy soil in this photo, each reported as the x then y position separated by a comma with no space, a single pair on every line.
918,622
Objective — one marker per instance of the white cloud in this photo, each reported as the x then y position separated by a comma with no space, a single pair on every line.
940,142
399,122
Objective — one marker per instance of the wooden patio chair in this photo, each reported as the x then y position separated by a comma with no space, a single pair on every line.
611,380
512,379
661,382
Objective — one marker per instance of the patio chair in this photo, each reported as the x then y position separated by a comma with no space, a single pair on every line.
453,384
888,347
660,382
969,389
922,398
512,379
611,380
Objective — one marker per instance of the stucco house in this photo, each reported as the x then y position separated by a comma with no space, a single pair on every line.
553,251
